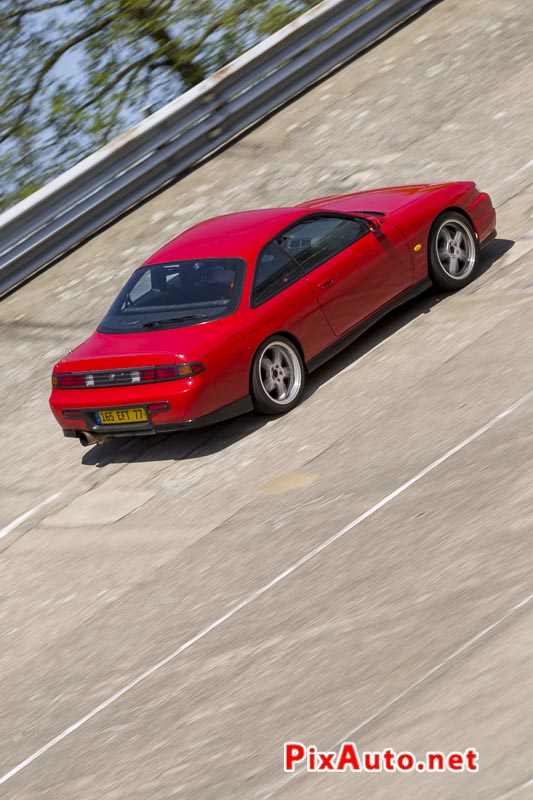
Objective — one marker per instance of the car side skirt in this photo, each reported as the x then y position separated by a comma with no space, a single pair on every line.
356,332
488,239
235,409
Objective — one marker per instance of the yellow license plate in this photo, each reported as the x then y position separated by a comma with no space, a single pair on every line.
121,415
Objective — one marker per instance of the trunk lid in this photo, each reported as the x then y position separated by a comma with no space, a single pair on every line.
141,349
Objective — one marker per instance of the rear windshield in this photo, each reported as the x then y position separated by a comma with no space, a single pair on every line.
172,295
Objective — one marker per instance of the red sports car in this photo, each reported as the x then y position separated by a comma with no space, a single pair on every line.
232,314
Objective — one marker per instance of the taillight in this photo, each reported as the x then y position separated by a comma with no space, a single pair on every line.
165,373
126,377
147,376
172,372
188,370
68,381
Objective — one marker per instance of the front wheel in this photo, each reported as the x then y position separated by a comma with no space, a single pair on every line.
278,376
453,252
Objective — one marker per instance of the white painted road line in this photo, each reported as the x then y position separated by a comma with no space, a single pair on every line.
263,589
523,168
23,517
348,737
516,791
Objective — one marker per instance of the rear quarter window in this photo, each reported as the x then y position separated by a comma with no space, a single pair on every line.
274,271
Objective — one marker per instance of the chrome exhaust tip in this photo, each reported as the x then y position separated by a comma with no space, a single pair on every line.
87,439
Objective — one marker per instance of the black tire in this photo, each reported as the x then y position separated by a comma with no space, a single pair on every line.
278,376
453,251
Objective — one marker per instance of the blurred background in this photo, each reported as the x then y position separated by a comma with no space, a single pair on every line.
76,73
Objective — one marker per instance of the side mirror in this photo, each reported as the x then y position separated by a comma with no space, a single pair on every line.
374,223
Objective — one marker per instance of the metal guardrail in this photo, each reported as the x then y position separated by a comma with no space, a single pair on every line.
104,185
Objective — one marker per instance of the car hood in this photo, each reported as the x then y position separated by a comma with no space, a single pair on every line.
146,348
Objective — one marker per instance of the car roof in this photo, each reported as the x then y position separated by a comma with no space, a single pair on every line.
242,235
237,235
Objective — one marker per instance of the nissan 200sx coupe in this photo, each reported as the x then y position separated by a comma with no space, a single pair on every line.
232,314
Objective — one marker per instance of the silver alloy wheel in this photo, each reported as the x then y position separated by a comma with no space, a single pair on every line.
456,249
280,373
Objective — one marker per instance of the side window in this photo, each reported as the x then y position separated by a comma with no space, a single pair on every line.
275,271
315,240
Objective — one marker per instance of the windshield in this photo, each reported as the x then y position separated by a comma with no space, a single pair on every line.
172,295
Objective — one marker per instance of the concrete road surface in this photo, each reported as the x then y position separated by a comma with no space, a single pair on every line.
172,610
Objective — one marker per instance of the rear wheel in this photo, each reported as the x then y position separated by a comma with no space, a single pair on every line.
454,251
278,376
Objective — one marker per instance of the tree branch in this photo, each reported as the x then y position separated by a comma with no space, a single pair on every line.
178,55
50,62
22,12
247,5
135,66
120,100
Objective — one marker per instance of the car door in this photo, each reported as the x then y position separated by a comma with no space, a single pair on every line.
282,300
352,270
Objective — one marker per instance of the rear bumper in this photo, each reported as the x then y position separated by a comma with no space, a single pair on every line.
75,409
152,426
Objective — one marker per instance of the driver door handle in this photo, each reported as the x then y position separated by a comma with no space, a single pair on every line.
327,283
